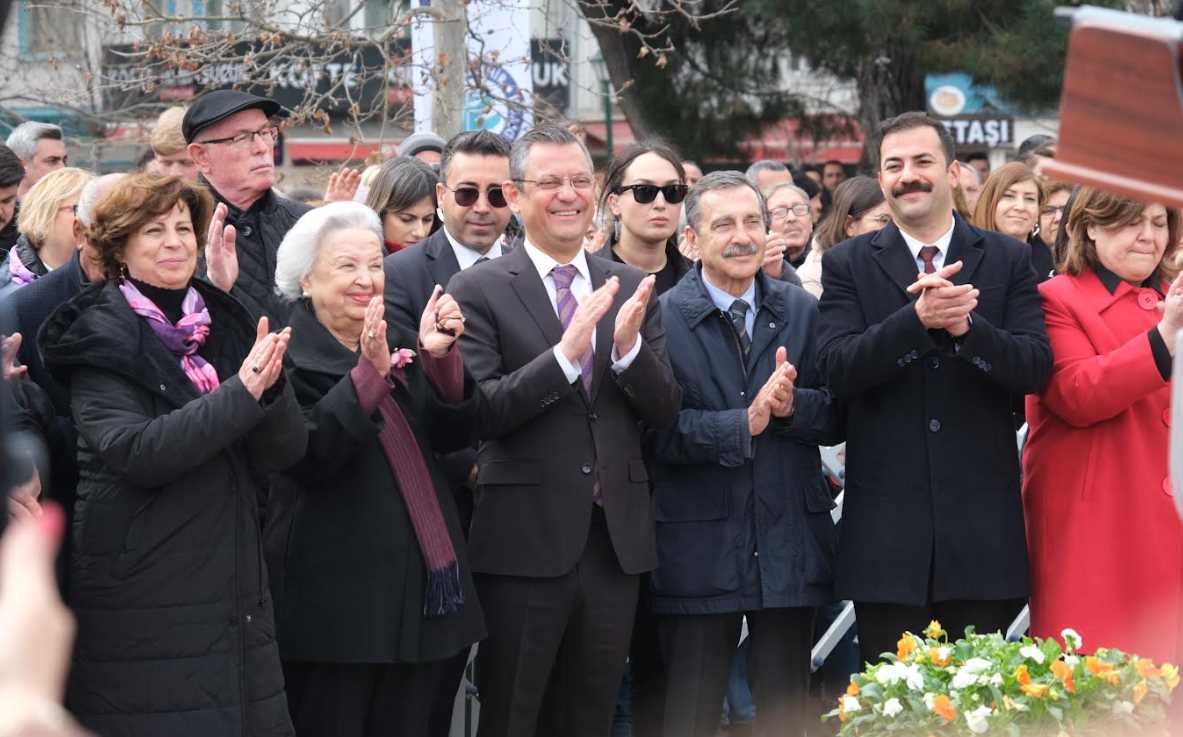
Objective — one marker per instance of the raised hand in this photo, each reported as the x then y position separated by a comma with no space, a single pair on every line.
774,255
221,253
781,391
374,347
264,364
9,347
940,278
943,305
630,317
342,185
577,337
23,499
1172,313
441,324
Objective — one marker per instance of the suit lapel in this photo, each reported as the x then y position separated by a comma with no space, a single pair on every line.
966,247
596,268
441,260
894,257
770,312
530,290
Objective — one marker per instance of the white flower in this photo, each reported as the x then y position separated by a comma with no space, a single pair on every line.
892,707
996,679
850,704
887,675
1032,652
1123,707
977,665
964,679
1071,660
977,719
928,700
1072,639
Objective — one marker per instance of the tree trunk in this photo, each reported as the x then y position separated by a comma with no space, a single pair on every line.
450,29
887,85
619,50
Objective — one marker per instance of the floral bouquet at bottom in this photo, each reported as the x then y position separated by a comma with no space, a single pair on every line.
983,684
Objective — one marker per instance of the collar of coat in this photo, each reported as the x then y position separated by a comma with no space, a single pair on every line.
690,296
313,347
892,254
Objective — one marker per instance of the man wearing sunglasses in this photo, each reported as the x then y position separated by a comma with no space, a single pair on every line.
474,213
232,141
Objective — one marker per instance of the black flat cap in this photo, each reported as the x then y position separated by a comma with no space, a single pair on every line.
213,107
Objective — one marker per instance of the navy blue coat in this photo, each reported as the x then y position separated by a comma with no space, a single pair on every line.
740,530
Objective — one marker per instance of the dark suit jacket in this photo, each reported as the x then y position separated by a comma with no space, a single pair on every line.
932,509
546,442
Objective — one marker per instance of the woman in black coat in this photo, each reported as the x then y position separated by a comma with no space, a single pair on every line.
375,602
181,407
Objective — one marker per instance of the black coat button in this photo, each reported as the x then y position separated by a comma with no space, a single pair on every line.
592,417
934,362
934,425
586,468
246,231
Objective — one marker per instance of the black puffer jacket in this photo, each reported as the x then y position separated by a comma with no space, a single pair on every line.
176,634
260,229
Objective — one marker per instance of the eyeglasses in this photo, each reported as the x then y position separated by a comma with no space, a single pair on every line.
646,193
782,213
467,196
266,135
553,184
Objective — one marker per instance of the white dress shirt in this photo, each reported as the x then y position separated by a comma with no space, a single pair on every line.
580,289
723,301
466,256
941,243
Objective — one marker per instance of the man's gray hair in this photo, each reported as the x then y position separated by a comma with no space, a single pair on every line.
764,165
91,193
714,182
788,185
548,134
300,247
23,139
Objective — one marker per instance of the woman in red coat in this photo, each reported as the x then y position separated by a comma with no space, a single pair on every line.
1106,545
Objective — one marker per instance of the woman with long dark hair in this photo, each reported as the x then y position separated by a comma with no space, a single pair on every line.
858,208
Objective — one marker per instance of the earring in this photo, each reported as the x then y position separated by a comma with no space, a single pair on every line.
123,271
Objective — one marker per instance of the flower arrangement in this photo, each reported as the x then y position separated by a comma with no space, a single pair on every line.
982,684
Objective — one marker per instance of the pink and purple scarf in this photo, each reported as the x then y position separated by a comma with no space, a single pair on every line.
184,338
18,271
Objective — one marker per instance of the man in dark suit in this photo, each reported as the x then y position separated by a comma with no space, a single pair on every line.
930,328
570,354
474,213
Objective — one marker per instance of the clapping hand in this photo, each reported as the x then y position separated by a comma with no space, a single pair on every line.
630,316
374,346
264,364
775,398
342,185
577,337
441,324
943,305
1171,308
774,255
221,255
23,499
9,347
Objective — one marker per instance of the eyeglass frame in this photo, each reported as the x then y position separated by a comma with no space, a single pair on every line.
591,183
676,186
248,137
795,209
488,193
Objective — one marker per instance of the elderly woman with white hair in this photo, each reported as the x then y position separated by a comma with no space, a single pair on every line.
374,595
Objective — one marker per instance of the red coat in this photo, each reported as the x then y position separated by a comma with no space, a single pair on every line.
1106,546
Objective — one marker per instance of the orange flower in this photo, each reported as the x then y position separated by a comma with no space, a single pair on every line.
1140,691
1022,676
905,647
1170,674
852,689
938,658
1145,667
943,707
1063,671
1096,666
1035,690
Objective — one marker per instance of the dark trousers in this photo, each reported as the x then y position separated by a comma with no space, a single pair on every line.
440,721
647,668
880,625
362,699
555,653
698,651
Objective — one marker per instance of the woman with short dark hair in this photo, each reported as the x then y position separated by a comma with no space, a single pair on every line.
181,407
1102,531
403,195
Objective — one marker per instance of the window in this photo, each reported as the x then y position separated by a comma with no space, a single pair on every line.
50,27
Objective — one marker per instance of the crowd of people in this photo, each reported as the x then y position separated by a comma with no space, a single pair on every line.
309,455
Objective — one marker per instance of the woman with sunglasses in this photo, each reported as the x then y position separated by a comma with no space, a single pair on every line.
642,203
403,195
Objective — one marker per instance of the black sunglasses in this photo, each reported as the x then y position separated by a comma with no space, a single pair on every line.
646,193
467,196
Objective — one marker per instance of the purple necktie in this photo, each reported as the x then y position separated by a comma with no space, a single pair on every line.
566,303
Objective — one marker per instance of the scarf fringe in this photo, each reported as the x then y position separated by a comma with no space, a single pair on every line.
444,593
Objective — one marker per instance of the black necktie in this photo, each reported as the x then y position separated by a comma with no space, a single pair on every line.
737,313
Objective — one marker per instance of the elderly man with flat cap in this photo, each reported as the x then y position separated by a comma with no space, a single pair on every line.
232,139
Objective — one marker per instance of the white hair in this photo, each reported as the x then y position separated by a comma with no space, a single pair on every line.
91,193
300,247
23,139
